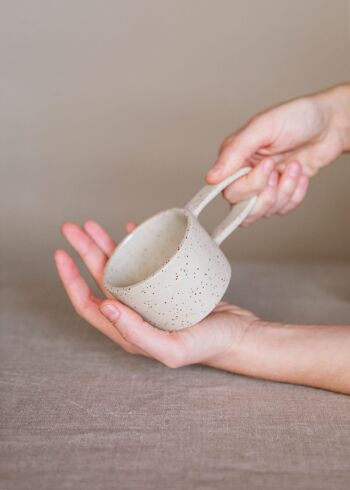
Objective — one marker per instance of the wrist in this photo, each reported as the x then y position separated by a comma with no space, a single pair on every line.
272,351
313,355
252,354
252,338
336,106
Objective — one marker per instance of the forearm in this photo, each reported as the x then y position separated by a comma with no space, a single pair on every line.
315,355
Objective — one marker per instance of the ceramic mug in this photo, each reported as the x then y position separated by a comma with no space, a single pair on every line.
169,269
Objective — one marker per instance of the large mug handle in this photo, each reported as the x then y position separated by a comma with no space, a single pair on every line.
235,217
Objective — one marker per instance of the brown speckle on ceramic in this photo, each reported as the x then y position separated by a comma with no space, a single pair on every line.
169,268
186,293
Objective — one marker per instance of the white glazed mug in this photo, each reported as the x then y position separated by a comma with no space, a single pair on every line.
169,269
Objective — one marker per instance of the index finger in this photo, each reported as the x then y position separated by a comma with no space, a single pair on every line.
238,150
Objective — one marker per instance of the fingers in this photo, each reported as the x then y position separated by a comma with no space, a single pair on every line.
298,195
163,346
129,227
287,185
77,289
265,200
238,148
226,142
94,258
85,303
100,237
250,184
282,194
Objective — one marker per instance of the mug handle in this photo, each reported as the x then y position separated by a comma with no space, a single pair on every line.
235,217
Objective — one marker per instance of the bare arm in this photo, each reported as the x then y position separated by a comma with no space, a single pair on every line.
230,338
313,355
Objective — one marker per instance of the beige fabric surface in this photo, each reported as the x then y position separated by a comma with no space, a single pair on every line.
77,412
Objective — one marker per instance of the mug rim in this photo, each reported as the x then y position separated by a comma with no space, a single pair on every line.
131,235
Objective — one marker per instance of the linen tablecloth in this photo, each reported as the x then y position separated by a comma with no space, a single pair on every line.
77,412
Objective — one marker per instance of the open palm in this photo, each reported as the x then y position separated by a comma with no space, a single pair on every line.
209,342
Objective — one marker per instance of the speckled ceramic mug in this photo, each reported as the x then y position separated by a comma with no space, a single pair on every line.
169,268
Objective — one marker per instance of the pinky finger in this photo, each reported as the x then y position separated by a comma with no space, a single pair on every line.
297,196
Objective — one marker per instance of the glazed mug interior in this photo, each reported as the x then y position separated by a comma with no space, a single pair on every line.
147,249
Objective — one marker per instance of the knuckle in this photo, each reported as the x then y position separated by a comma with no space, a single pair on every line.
268,202
289,192
230,147
226,154
257,184
289,189
129,336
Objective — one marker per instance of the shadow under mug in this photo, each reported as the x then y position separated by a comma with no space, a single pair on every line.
170,269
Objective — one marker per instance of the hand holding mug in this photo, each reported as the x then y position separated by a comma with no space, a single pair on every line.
212,341
285,145
170,270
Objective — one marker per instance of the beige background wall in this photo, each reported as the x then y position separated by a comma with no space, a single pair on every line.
113,110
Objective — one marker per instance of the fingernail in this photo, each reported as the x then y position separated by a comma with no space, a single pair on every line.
294,170
268,166
273,179
111,312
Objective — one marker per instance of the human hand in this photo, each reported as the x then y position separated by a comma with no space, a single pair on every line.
213,341
229,338
286,145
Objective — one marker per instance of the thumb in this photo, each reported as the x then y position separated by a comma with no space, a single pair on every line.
238,150
161,345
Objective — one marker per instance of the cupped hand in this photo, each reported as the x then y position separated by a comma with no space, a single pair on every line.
211,341
286,145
